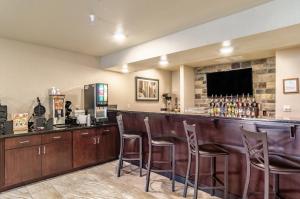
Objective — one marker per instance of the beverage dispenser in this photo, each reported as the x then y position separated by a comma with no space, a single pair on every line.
57,109
96,101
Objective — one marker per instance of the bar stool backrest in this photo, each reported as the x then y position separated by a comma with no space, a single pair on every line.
120,125
190,131
256,147
146,120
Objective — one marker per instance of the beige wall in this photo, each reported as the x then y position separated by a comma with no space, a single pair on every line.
28,71
287,66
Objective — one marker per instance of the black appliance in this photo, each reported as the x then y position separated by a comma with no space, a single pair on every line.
235,82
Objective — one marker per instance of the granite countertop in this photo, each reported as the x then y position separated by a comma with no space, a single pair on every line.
292,120
55,130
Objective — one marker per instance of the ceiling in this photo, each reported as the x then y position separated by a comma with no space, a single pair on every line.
247,48
64,24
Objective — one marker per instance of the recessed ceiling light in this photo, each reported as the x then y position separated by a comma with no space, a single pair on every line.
119,35
125,70
92,18
226,43
163,60
226,50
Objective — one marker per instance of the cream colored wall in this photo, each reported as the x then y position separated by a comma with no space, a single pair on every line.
28,71
287,66
176,83
187,87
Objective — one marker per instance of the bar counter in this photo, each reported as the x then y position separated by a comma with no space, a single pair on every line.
284,139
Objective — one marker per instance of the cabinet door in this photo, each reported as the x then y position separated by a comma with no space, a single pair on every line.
22,164
107,144
84,147
57,157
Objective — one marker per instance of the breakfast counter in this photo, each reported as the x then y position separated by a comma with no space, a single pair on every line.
284,139
32,156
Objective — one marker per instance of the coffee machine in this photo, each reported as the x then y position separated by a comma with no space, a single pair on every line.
96,101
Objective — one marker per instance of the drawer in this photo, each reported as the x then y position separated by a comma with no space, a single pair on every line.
56,137
24,141
85,133
110,129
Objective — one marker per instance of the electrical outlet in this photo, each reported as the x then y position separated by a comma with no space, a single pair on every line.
287,108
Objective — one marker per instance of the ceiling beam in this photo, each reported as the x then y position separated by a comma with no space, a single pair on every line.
266,17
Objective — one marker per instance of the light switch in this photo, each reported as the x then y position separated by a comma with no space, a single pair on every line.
287,108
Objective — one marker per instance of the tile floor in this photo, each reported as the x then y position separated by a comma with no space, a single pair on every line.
100,182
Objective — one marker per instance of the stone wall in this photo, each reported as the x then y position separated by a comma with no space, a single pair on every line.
263,82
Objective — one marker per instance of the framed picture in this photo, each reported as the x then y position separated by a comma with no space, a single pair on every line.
291,85
146,89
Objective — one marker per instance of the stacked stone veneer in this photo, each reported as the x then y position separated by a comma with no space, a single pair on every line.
263,82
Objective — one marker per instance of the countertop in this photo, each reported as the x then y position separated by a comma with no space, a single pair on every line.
56,130
291,120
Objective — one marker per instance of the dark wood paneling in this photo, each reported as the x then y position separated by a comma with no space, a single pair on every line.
226,132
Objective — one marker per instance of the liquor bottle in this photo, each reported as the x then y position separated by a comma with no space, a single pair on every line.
211,106
240,108
255,107
225,106
236,109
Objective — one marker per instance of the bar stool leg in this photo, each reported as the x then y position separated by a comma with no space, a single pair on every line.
196,177
120,165
213,174
247,182
276,185
225,177
187,176
173,168
267,185
148,169
141,155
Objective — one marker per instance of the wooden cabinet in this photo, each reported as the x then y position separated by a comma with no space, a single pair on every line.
28,158
22,164
84,147
56,153
92,146
107,144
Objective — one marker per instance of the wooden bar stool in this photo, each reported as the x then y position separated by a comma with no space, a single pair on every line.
258,156
206,151
129,135
159,142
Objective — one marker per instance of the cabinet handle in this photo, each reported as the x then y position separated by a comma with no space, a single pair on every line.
24,142
39,150
98,139
44,150
95,140
106,130
84,133
56,137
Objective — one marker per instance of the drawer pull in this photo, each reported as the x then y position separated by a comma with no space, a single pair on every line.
56,137
44,150
24,142
106,130
84,133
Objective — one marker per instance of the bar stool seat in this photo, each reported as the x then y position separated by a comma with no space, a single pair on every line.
211,150
162,141
278,164
131,136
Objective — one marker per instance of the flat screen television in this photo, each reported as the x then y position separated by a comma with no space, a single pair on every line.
235,82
